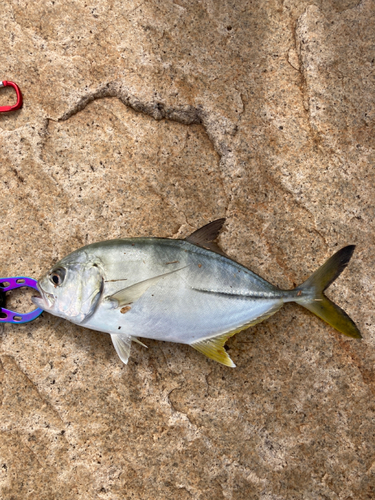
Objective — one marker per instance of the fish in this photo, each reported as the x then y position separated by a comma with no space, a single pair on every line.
186,291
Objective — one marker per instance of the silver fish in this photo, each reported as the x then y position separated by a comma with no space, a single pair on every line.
185,291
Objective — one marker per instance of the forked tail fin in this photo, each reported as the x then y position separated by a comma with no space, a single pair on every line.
312,296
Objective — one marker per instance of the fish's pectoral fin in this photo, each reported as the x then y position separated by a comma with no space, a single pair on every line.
122,344
205,236
214,349
132,293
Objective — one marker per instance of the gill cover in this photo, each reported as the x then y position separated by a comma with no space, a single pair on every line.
72,288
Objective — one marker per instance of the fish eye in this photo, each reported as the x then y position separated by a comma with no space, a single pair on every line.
57,276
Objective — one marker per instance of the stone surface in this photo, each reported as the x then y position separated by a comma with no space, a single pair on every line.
153,118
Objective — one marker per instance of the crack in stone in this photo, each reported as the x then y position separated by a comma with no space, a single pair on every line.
136,7
187,115
180,231
176,410
31,451
367,375
353,7
295,30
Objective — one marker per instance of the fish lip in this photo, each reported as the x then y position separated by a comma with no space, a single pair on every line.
45,301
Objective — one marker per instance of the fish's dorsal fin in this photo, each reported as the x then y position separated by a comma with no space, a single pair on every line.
205,236
122,344
213,348
132,293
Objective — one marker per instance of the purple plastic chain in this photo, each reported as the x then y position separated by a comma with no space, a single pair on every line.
7,316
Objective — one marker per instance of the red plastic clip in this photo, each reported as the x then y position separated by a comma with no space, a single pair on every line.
18,104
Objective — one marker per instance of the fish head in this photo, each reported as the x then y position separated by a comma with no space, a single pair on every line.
72,288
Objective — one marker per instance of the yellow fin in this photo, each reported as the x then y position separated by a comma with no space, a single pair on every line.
313,298
213,348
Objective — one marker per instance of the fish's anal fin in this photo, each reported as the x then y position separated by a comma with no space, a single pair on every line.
122,344
205,236
213,348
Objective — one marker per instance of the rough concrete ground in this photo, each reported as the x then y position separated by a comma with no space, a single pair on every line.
153,118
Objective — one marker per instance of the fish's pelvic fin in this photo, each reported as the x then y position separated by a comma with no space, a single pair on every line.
313,298
213,348
136,339
122,344
132,293
205,236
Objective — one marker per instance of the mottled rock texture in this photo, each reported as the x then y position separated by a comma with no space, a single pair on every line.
153,118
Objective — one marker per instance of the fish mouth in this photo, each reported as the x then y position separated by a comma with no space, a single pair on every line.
45,301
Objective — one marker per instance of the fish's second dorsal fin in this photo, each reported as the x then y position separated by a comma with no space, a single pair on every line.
205,236
213,348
